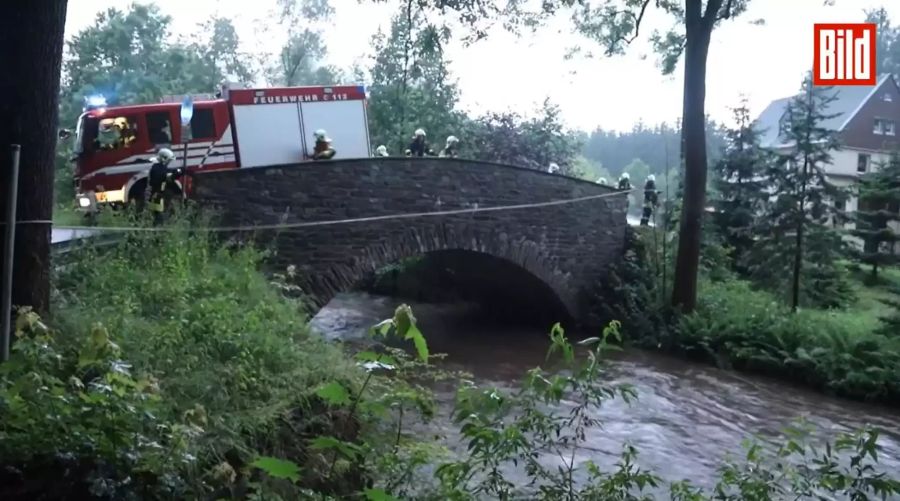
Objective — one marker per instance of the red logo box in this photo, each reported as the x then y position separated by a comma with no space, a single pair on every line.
844,54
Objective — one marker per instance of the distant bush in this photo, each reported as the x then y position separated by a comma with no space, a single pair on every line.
739,327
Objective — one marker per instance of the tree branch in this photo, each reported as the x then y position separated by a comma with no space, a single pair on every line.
712,11
727,13
637,21
637,24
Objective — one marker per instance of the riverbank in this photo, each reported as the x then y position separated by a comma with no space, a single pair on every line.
168,365
173,368
848,352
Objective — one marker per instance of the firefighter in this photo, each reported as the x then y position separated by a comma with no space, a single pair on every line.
602,180
624,181
553,168
418,147
108,136
381,151
449,150
158,181
651,199
323,149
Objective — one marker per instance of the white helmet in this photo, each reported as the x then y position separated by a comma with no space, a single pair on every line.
381,151
420,133
553,167
651,178
165,155
625,176
452,140
320,134
601,180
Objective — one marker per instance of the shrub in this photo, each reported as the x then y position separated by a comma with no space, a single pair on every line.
226,349
736,326
77,421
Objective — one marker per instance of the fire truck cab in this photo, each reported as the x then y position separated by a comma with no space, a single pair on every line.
239,128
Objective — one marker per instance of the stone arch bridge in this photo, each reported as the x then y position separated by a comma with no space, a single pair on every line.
567,247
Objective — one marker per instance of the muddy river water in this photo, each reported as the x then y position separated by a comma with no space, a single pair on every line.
687,416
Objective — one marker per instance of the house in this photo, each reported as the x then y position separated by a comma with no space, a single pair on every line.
866,120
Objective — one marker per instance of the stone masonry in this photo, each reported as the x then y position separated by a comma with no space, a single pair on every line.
569,246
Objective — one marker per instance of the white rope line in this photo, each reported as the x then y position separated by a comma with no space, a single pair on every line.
278,226
30,221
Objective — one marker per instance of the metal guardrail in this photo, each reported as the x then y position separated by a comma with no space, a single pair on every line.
64,239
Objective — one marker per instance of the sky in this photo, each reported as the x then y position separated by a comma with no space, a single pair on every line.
503,72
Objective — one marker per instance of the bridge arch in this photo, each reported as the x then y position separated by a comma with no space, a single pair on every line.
418,241
569,246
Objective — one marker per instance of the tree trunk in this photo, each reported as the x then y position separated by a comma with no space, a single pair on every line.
31,34
798,252
687,262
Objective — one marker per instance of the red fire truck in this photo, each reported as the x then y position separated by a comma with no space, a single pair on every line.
239,128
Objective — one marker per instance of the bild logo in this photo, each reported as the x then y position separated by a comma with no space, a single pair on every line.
844,54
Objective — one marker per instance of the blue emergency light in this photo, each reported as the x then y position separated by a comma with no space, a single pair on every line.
94,101
187,110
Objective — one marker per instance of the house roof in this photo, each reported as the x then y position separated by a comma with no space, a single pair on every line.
848,101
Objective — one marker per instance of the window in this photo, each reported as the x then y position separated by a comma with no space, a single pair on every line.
884,127
840,205
109,133
203,125
159,127
862,162
887,97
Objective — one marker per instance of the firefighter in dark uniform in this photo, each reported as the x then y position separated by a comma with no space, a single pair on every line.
651,199
159,179
450,150
418,147
624,181
323,149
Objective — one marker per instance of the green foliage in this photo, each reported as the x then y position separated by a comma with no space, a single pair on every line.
300,60
277,468
796,238
411,86
740,184
130,57
736,326
635,294
229,354
527,142
878,213
76,412
506,429
887,42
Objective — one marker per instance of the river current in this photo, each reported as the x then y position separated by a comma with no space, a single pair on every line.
687,417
